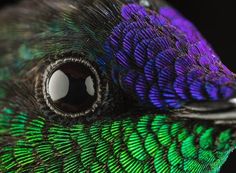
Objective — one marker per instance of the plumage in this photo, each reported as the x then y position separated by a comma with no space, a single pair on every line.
154,68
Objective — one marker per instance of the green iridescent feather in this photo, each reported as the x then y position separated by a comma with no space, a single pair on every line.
141,143
144,144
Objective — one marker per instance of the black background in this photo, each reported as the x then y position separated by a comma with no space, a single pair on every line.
216,21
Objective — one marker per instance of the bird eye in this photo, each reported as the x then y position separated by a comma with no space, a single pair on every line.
70,87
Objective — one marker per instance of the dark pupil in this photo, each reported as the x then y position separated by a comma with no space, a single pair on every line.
72,88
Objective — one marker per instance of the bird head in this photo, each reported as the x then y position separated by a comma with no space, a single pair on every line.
111,85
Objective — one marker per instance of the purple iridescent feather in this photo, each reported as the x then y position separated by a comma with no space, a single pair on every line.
165,61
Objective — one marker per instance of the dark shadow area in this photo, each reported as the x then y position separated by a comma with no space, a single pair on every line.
4,3
216,21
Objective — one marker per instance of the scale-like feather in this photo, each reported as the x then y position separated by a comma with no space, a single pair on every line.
147,50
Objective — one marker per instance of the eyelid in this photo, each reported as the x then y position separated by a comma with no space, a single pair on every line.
55,62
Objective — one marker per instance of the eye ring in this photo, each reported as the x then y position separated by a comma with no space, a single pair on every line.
43,85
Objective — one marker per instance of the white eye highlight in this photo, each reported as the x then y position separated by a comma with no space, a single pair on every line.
90,86
58,86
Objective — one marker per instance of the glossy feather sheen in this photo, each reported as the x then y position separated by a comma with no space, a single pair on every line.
172,62
151,143
154,55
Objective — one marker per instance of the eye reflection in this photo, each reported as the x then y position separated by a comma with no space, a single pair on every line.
90,86
71,87
58,85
